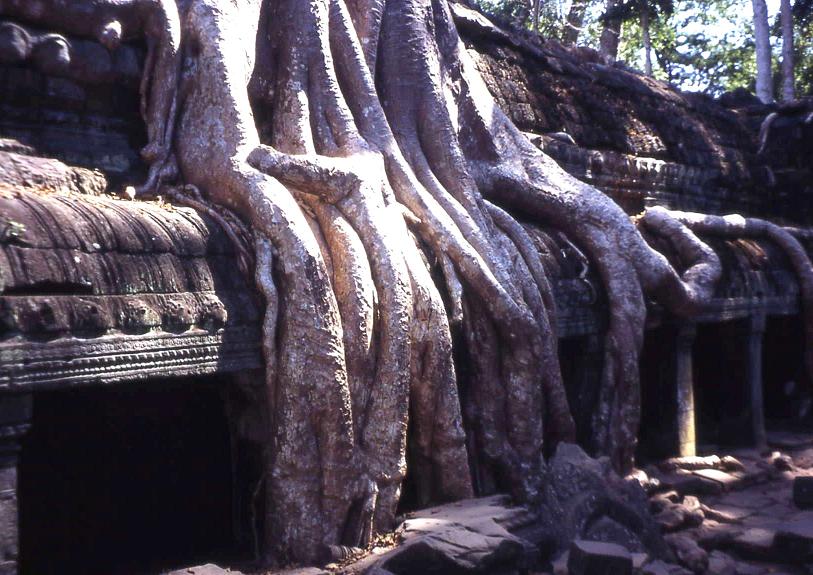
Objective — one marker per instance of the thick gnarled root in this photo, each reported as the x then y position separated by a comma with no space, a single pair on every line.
357,340
736,226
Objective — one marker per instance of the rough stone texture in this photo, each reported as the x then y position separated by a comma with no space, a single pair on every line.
689,553
753,528
661,568
803,492
22,171
127,290
592,558
581,491
721,564
95,126
794,541
639,140
462,537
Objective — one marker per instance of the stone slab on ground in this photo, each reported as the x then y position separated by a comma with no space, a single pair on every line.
721,564
688,552
727,481
212,569
803,492
595,558
752,500
794,541
755,543
458,537
726,513
714,535
662,568
688,483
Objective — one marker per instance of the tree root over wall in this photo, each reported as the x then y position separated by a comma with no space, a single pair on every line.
383,185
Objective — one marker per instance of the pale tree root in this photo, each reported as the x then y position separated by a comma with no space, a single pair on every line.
357,340
310,480
736,226
537,291
515,357
512,173
338,447
359,190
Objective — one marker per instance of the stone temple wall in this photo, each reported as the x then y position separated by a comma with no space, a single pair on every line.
639,140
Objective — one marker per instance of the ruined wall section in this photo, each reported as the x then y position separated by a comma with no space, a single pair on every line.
80,105
639,140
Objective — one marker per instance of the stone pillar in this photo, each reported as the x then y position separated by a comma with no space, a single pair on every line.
687,438
15,420
756,332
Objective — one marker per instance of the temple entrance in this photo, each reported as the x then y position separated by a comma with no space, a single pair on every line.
788,393
721,384
658,436
128,480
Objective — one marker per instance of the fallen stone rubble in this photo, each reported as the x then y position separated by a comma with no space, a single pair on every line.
747,513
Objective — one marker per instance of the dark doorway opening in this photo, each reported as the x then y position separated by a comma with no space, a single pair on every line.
658,435
722,395
581,359
126,480
787,389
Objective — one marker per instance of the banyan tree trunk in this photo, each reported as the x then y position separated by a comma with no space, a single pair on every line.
358,141
383,186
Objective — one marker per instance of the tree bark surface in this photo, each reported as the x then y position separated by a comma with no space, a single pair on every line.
385,188
762,39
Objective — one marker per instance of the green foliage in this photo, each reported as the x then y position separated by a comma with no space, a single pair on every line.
803,49
631,9
520,12
705,45
516,11
700,45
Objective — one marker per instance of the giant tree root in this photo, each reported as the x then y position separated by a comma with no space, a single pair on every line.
736,226
369,159
345,163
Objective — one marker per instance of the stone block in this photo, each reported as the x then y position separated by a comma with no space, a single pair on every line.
208,569
793,542
661,568
803,492
691,484
689,553
712,534
721,564
595,558
727,481
755,543
671,519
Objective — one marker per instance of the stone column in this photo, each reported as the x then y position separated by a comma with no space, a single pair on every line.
756,332
687,438
15,420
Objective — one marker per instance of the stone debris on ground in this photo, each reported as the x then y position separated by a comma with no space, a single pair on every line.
596,558
756,509
746,515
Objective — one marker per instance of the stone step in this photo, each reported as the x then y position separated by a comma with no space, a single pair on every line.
803,492
595,558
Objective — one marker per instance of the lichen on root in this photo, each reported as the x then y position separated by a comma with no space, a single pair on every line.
382,183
